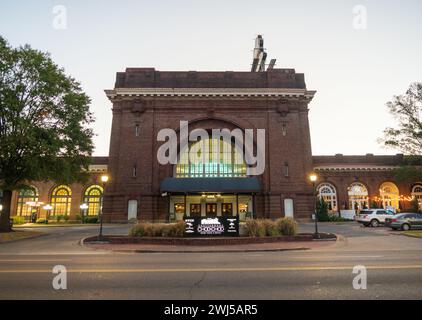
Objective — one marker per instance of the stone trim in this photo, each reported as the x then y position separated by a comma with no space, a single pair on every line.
209,92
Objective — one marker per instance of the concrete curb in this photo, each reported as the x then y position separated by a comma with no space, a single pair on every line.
83,244
211,251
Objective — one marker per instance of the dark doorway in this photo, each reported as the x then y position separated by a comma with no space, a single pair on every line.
211,210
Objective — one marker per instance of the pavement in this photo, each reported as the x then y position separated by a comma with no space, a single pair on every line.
393,264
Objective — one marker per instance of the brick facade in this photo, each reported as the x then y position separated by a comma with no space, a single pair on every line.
146,101
284,116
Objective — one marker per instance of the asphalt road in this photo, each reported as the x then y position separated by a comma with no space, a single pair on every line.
393,262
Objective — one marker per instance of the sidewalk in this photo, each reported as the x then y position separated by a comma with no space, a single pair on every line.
259,247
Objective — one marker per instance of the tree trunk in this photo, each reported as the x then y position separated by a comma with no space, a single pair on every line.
5,213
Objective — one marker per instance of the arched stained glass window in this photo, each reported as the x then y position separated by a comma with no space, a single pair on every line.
389,194
93,199
358,196
24,196
211,158
417,193
328,192
61,198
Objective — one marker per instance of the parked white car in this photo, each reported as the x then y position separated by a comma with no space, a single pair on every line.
373,217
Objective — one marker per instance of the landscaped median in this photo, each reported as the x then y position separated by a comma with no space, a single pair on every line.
18,235
413,233
257,235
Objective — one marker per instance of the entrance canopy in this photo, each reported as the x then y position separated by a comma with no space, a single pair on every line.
220,185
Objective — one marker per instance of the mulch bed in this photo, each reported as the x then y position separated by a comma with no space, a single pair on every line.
216,241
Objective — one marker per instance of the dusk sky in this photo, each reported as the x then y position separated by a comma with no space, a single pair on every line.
355,71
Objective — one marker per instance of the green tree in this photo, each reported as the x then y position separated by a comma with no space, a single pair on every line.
44,123
414,205
406,109
374,204
322,210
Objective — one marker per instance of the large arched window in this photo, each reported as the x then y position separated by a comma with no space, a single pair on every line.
328,192
417,193
26,195
93,199
61,198
358,196
210,158
389,194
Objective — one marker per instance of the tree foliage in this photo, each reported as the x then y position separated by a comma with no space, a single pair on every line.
44,122
406,109
322,209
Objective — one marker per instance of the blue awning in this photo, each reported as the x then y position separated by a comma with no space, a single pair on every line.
220,185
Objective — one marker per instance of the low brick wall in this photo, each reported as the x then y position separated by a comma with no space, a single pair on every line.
201,241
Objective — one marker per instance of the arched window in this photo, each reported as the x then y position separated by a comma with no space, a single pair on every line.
61,198
328,192
29,194
389,194
93,199
417,193
358,196
213,158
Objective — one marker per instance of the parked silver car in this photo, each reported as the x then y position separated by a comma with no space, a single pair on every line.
405,221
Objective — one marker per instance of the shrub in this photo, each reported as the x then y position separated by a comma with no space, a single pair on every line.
90,219
146,229
137,230
66,218
270,228
336,218
41,221
256,228
287,226
18,220
59,218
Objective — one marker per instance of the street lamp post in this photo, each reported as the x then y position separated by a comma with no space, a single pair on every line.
84,208
313,177
104,180
47,209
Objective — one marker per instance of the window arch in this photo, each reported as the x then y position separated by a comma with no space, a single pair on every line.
417,193
389,194
93,199
328,192
358,196
26,195
218,158
61,198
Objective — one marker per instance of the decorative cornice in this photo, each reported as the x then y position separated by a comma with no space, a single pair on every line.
354,168
209,92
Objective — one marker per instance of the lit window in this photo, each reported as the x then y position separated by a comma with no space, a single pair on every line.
216,158
61,198
417,193
389,194
93,199
137,131
25,196
328,193
358,196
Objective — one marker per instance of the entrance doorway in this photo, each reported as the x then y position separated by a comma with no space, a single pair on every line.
211,210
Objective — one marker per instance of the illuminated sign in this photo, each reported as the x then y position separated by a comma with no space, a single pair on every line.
211,227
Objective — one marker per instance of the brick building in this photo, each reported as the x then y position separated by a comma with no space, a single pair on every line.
146,101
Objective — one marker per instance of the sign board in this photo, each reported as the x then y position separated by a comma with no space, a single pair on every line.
212,227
